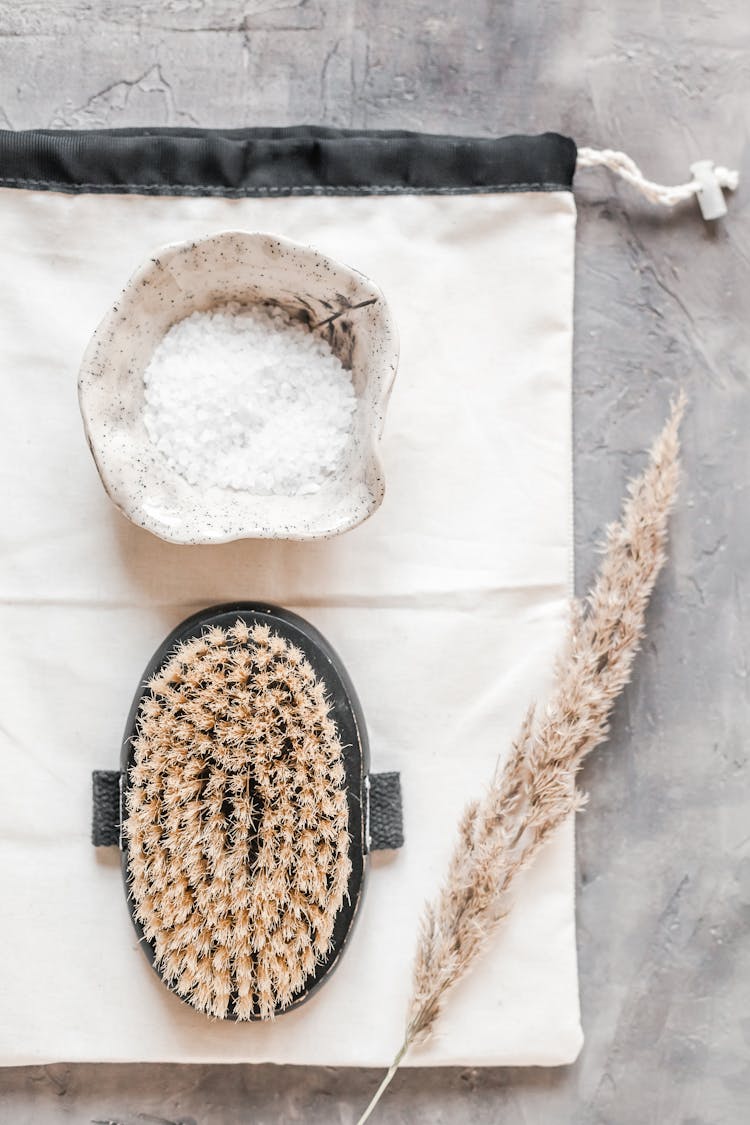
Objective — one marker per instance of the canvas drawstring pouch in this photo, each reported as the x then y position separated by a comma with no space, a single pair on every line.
448,606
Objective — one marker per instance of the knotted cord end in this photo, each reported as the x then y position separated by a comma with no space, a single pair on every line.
707,181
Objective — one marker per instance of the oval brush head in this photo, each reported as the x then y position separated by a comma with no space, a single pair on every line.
242,795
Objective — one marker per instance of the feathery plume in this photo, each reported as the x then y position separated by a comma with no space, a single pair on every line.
533,790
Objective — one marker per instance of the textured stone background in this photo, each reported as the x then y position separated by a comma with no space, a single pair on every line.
662,301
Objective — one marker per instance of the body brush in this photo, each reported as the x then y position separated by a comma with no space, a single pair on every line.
245,811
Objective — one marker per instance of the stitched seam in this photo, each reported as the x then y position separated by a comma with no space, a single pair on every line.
212,189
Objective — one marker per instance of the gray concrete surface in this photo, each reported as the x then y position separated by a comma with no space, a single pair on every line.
662,301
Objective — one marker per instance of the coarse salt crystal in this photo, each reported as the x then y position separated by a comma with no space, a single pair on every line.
248,398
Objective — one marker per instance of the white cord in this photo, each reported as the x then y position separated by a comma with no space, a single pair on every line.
706,178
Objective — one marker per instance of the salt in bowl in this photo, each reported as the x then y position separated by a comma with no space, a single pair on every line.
327,296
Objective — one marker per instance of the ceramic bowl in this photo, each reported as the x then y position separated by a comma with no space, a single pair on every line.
327,296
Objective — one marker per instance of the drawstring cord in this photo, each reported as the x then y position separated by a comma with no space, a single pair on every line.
706,183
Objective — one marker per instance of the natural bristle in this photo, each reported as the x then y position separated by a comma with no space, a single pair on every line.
237,821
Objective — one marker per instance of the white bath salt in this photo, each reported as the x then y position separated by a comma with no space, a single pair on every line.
247,398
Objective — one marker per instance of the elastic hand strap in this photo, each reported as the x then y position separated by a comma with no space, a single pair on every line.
385,823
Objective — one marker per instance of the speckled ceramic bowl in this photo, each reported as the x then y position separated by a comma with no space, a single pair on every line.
235,266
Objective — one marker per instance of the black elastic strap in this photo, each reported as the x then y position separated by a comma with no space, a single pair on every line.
386,823
105,823
386,812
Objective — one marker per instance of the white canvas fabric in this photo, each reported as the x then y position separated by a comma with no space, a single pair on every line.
447,607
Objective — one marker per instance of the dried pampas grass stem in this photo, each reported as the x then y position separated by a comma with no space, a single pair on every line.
534,790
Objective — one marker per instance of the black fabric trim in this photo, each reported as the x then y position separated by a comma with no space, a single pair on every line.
302,160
